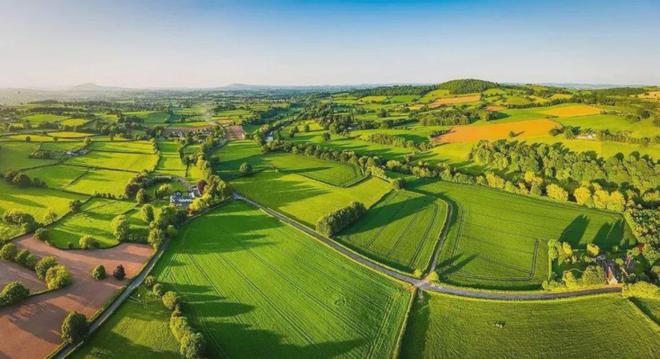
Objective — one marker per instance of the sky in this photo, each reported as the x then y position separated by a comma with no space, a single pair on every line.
214,43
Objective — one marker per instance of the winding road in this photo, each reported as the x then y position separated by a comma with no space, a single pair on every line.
421,283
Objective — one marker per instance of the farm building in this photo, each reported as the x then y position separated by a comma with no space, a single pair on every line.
182,199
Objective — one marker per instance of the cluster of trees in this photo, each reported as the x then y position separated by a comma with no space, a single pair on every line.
463,86
214,190
192,344
334,222
47,269
19,218
585,270
74,328
23,257
446,116
317,151
386,139
394,90
634,176
12,293
164,224
23,180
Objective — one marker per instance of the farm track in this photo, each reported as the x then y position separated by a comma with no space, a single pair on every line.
424,284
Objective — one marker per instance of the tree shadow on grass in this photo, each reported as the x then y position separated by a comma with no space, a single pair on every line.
454,264
611,234
575,230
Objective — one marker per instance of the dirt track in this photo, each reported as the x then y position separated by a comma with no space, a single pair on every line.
31,329
11,271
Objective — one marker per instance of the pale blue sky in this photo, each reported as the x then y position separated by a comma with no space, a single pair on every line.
213,43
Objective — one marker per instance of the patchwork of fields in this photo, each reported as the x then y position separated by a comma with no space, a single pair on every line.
400,230
499,240
257,288
443,326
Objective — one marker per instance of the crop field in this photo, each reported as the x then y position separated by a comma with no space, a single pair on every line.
372,99
401,230
101,181
330,172
124,146
588,327
499,240
93,219
432,95
33,200
135,162
16,155
305,199
495,131
139,329
455,100
170,161
572,110
74,122
237,270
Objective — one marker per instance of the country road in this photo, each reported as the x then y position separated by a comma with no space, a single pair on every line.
423,284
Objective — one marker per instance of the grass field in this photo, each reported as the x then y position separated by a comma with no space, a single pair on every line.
355,144
57,176
650,307
401,230
234,153
139,329
16,155
170,161
35,201
258,288
572,110
43,117
124,146
151,118
499,240
93,219
305,199
121,161
330,172
74,122
588,327
70,134
101,181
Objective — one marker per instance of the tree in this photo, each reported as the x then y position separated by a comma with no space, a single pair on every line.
9,252
43,265
120,228
156,237
88,242
593,250
74,328
50,216
75,205
41,234
141,196
245,169
170,300
98,272
14,292
326,136
58,277
556,192
150,281
147,213
119,273
158,289
583,196
26,259
193,346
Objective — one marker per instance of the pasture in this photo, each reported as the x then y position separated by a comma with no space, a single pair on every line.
570,110
238,269
304,199
499,240
101,181
170,162
234,153
124,146
57,176
354,143
650,307
444,326
401,230
134,162
330,172
43,117
93,219
74,122
150,118
139,329
16,155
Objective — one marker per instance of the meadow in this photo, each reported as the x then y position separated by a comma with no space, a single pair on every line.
124,146
234,153
101,181
238,269
139,329
401,230
304,199
43,117
499,240
353,143
150,118
444,326
93,219
135,162
330,172
16,155
170,161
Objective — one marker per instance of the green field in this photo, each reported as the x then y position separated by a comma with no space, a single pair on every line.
589,327
234,153
305,199
16,155
151,118
401,230
36,201
139,329
259,288
355,144
170,162
74,122
113,160
43,117
101,181
124,146
499,239
650,307
57,176
93,219
330,172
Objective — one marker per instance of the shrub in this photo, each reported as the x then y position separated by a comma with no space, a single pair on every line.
13,293
245,169
150,281
171,300
26,259
179,326
58,277
192,346
74,327
147,213
641,290
98,272
158,289
9,252
593,250
119,272
120,228
43,265
87,242
141,196
41,234
20,218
